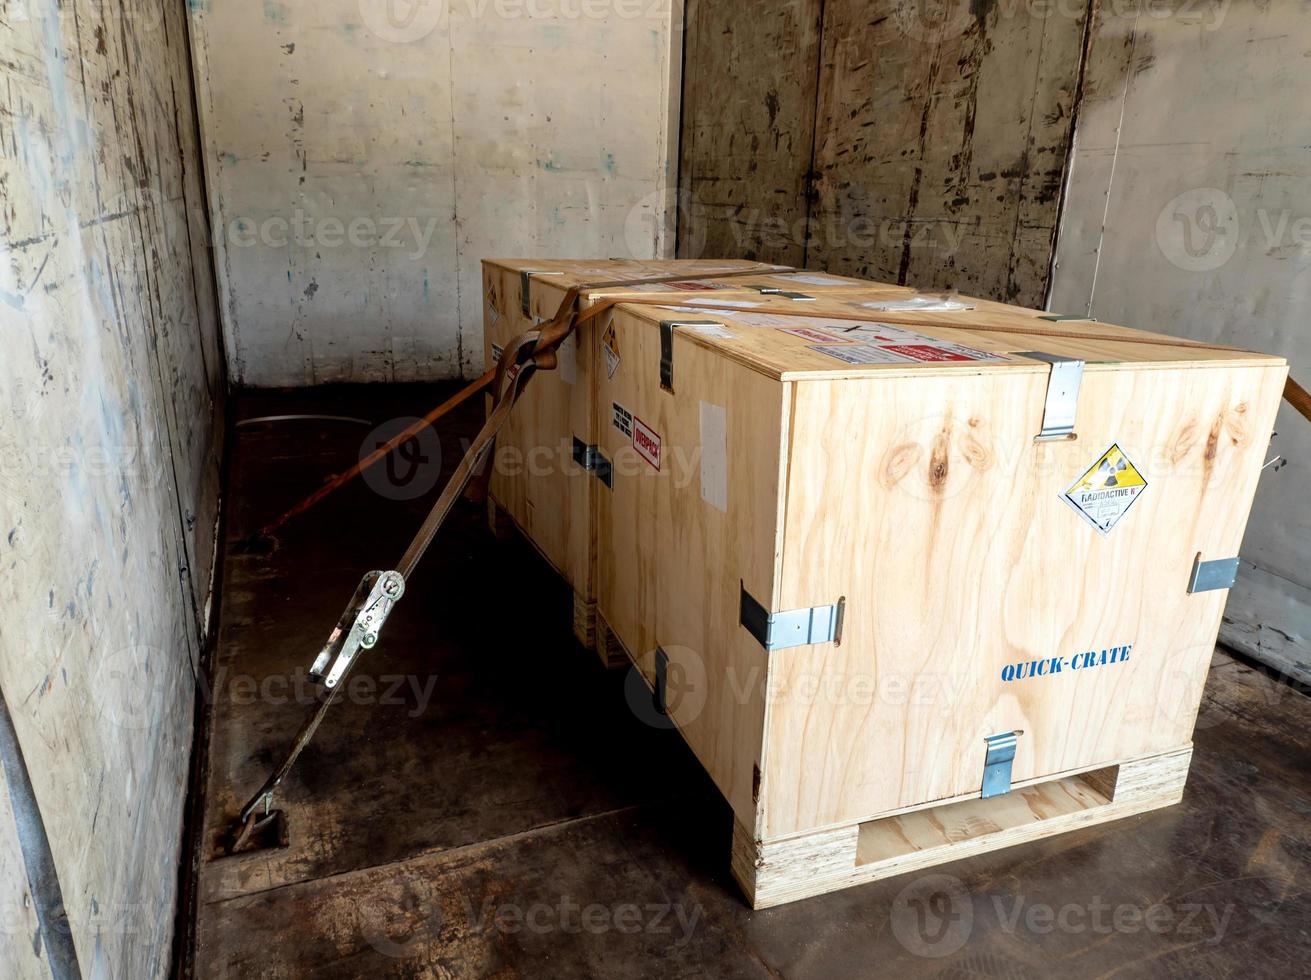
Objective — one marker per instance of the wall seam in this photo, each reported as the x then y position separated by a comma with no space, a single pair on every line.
1115,159
1067,177
811,178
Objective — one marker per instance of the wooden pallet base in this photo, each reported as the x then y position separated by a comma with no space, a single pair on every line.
584,621
779,871
608,647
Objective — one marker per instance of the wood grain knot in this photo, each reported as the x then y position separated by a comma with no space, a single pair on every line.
899,461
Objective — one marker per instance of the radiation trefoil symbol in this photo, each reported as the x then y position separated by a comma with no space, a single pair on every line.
1106,490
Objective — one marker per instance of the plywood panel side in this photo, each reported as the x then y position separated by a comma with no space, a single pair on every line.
678,543
113,389
534,475
928,506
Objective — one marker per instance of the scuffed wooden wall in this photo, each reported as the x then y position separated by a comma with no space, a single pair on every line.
933,152
1189,211
749,82
365,156
111,397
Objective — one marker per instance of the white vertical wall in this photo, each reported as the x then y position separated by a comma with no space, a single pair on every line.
365,155
1189,210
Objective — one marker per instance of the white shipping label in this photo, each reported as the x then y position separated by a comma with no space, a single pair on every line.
711,302
874,332
919,304
714,455
861,354
710,330
567,357
815,279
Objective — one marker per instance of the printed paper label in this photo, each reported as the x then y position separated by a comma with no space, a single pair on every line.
1106,490
622,419
708,330
939,350
714,455
816,279
861,354
647,442
817,336
695,304
610,350
567,358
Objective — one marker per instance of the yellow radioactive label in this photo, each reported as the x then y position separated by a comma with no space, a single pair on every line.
1106,490
610,349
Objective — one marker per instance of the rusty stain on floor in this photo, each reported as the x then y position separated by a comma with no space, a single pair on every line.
483,803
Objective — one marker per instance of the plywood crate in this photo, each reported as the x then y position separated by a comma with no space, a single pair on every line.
844,564
536,482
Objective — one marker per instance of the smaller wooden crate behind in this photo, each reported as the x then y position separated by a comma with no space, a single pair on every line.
845,561
536,481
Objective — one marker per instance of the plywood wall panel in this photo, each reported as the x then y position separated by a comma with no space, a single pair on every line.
748,125
941,143
111,392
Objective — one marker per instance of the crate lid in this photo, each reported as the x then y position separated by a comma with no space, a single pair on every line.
567,273
842,334
697,276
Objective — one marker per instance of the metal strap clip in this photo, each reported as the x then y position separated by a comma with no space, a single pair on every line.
1208,576
997,763
667,347
785,293
794,627
525,284
1062,395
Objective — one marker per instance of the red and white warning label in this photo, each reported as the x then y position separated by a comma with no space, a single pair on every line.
646,441
928,352
815,336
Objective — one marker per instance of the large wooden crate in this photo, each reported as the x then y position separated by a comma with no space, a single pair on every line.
537,483
844,564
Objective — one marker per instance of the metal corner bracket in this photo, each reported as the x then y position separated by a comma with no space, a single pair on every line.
793,627
1209,576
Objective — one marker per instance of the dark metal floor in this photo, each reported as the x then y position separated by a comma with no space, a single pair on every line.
484,804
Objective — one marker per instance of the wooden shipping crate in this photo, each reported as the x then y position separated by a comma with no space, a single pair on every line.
845,565
536,481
